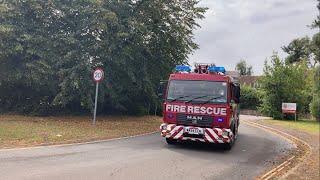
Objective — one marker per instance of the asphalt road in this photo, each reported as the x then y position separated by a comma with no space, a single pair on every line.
146,157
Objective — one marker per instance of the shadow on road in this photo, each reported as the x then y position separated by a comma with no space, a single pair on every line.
243,144
199,146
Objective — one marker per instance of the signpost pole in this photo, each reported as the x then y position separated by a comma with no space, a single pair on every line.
97,77
95,104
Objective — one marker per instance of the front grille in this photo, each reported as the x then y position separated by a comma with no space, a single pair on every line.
193,135
206,121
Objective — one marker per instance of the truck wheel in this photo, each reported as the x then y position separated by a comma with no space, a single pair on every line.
171,141
228,146
236,132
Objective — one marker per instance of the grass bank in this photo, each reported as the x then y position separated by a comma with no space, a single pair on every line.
306,165
22,131
308,126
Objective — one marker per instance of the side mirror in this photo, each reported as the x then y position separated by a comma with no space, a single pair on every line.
162,89
237,94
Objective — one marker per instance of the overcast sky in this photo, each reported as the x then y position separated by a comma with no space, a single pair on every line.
250,30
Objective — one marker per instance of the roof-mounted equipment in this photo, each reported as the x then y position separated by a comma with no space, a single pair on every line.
182,68
217,69
202,68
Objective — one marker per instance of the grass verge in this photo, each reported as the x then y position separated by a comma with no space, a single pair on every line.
308,126
306,163
22,131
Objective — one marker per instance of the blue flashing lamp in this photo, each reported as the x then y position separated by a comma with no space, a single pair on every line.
217,69
183,68
220,119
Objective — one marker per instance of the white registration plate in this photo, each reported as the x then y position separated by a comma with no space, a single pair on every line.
193,130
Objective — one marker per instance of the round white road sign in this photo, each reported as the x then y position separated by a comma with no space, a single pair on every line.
98,75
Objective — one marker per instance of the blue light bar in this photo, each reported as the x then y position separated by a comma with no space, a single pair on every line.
183,68
217,69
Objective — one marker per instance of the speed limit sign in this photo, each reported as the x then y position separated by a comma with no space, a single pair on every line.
98,75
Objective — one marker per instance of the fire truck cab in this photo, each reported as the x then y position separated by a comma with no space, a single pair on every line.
200,106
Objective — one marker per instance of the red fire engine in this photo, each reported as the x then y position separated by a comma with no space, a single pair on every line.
200,105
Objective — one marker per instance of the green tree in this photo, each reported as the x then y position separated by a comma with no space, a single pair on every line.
315,48
243,68
298,50
315,104
284,82
27,78
250,98
304,49
316,23
48,50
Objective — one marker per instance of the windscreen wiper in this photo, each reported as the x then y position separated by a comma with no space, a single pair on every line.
216,97
198,97
180,97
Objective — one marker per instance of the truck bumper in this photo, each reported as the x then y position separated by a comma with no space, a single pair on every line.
210,135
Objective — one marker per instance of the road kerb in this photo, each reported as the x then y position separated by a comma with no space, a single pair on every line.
79,143
270,174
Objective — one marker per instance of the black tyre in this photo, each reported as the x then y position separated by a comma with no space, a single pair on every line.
228,146
236,132
171,141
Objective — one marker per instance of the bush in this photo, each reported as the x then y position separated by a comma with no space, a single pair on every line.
250,98
315,104
284,82
315,107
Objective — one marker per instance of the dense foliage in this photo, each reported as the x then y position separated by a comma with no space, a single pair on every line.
298,50
250,98
304,49
243,68
315,104
295,79
283,82
48,50
316,23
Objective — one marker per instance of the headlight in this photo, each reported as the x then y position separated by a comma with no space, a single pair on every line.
225,133
164,127
170,115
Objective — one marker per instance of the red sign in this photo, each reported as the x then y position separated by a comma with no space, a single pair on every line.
193,109
289,108
98,75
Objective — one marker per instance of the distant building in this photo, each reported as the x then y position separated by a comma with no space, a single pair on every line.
251,81
234,74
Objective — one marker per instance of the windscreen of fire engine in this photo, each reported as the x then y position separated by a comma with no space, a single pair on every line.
201,91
